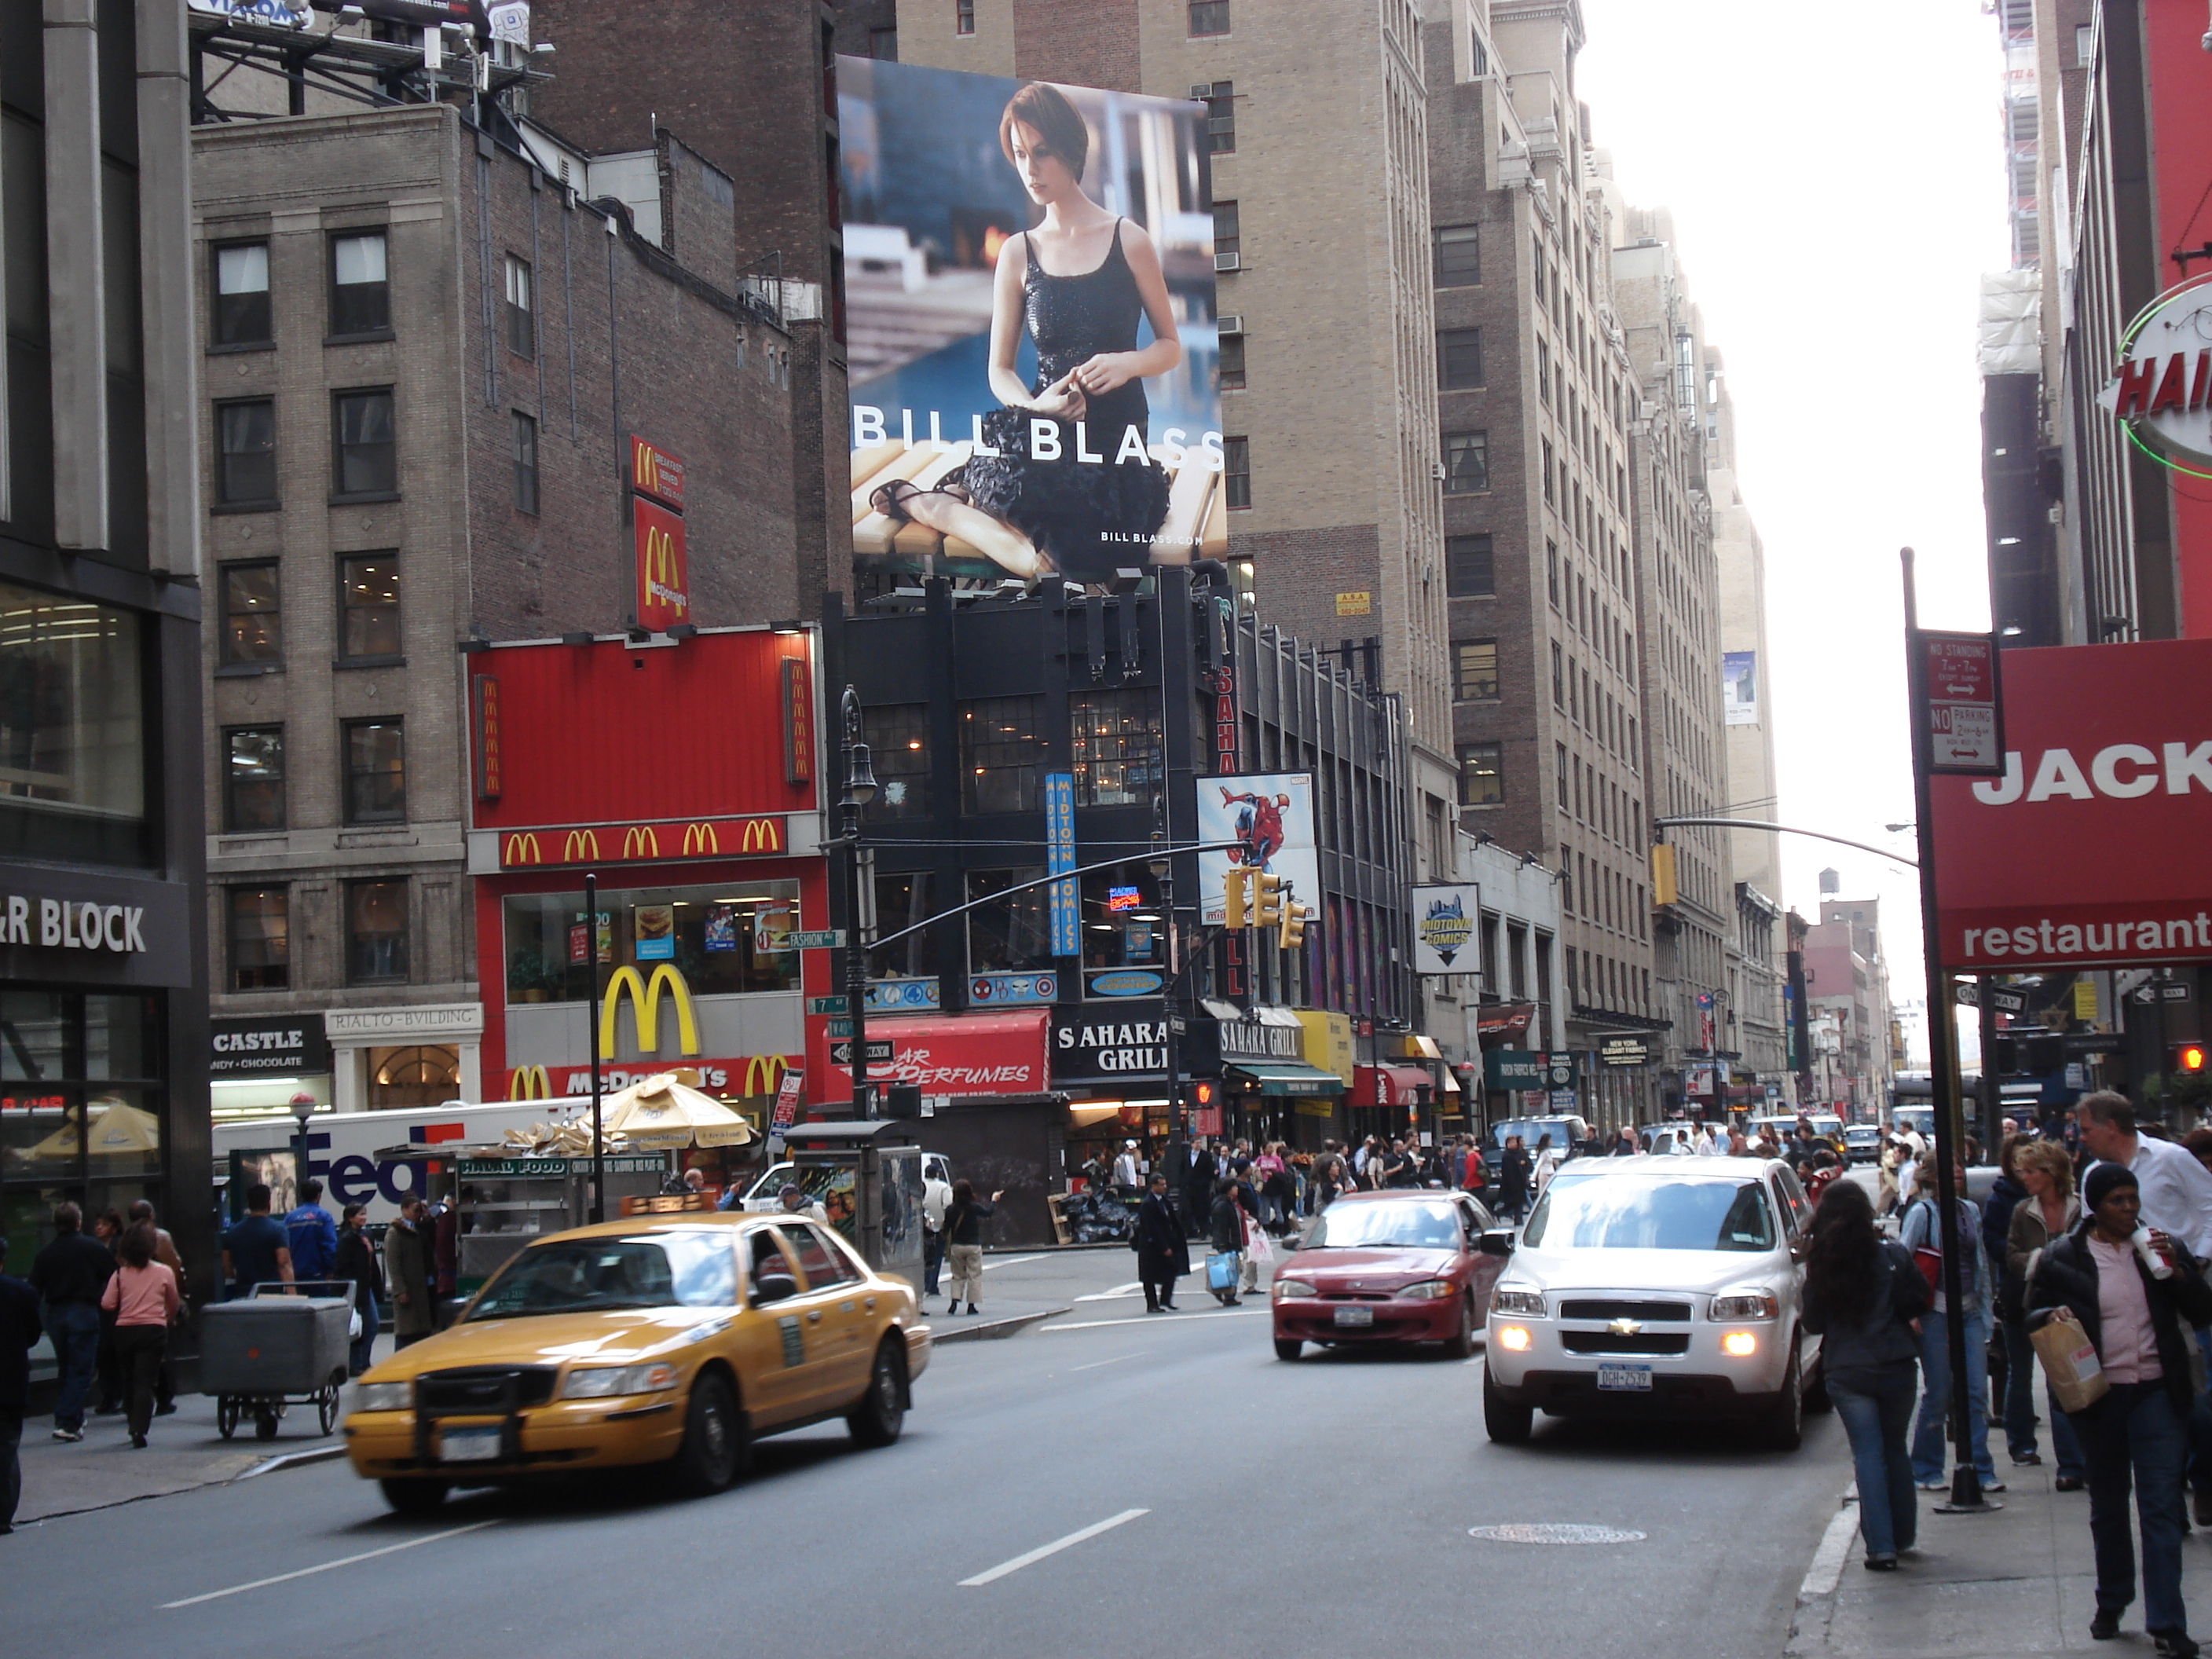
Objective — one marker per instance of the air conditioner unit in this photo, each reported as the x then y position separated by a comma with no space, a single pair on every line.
1203,89
1438,470
1228,261
1232,324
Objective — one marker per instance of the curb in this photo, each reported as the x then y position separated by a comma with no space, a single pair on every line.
291,1460
992,1330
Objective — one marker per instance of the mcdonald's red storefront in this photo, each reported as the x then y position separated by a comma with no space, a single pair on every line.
684,774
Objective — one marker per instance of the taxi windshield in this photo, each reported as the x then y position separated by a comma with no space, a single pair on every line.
1413,1226
1644,1215
588,1275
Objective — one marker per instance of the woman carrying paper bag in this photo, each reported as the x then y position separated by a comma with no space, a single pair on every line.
2137,1296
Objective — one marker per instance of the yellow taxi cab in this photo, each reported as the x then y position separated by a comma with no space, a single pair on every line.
669,1339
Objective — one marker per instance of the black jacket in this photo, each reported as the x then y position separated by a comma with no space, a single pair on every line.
1884,1335
75,1267
1225,1224
19,1329
963,1223
2066,1277
1513,1170
357,1260
1163,1253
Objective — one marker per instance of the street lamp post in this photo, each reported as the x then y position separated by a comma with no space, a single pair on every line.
591,1018
303,1107
860,790
1162,868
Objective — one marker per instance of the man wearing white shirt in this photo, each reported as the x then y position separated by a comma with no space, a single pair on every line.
1705,1146
2176,1190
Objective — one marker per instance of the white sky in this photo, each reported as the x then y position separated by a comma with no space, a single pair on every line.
1837,187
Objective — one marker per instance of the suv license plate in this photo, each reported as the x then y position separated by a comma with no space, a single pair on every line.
1354,1316
1631,1379
479,1445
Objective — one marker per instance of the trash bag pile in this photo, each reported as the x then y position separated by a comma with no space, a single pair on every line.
1096,1217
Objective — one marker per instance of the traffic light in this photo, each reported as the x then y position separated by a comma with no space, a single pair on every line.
1293,932
1234,887
1663,888
2189,1058
1267,900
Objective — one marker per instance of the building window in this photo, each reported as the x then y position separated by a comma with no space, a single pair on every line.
1015,933
1232,362
364,458
1559,678
241,294
1458,251
883,43
1552,570
246,464
360,297
1459,359
901,901
1226,230
254,779
252,618
1481,774
898,740
72,730
1544,372
1559,761
525,463
1237,471
260,939
1221,117
1208,17
1470,569
1474,670
1467,463
963,16
1546,463
1117,747
375,772
376,932
369,601
521,322
1002,754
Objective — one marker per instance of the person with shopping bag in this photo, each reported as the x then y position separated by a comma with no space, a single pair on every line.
2136,1294
1224,1234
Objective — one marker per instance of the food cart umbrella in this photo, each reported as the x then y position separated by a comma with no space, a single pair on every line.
116,1130
660,1113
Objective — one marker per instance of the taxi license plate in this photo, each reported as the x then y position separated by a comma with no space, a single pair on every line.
479,1445
1629,1379
1354,1316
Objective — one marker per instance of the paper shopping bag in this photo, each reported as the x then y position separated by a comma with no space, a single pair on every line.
2070,1360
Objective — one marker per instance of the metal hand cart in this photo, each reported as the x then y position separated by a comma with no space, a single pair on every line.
285,1344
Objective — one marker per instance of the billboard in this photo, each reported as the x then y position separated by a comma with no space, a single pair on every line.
1445,918
1031,330
1270,817
2088,850
1740,687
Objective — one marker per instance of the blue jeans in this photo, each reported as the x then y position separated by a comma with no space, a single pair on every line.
1876,1411
2135,1430
2020,1372
363,1352
75,1329
1928,1458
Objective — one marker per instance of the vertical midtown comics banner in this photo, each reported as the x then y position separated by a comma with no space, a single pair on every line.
1031,327
663,575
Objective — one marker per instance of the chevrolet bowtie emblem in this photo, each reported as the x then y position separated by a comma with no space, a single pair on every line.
1625,1328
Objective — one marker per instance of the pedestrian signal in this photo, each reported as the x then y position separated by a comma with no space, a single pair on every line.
1268,901
1202,1094
2189,1058
1235,888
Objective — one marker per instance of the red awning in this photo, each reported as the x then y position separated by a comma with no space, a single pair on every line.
963,1055
1389,1085
1503,1024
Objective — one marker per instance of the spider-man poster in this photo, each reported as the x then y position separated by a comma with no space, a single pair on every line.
1269,822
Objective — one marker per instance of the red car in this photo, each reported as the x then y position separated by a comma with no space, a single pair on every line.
1402,1266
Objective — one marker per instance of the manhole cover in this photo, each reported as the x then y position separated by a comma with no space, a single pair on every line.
1552,1532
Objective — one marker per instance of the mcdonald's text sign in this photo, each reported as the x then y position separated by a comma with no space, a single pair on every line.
643,843
663,586
746,1076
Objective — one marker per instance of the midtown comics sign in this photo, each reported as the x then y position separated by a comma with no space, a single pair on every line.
2090,850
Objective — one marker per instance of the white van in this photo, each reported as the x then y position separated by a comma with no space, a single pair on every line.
766,1194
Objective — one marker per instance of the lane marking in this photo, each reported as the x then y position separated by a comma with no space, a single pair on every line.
1147,1319
1053,1548
1115,1360
1135,1287
1827,1568
309,1572
1010,1261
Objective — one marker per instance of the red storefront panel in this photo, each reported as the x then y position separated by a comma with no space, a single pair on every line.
962,1055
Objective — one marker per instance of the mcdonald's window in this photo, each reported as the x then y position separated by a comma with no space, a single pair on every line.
241,294
521,328
1014,935
376,932
369,600
1117,746
72,730
903,900
260,939
364,454
246,453
898,741
725,939
254,778
252,614
525,462
361,294
1002,754
376,771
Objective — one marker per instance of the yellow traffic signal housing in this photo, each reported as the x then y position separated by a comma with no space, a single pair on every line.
1663,888
1267,900
1234,891
1293,933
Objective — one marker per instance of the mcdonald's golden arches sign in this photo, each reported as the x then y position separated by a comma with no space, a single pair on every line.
643,843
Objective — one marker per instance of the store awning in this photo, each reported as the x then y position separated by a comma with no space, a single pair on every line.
1503,1024
1389,1085
1420,1045
1285,1077
965,1056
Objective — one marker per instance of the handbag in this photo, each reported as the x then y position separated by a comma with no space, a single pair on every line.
2069,1363
1221,1271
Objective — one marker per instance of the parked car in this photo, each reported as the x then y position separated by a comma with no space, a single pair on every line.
1654,1286
1863,1143
1387,1267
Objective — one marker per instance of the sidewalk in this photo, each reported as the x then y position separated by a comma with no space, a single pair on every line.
2019,1580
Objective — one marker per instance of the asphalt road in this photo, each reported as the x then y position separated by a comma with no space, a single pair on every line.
1259,1507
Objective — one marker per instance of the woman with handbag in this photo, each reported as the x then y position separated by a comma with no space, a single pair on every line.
1224,1233
142,1294
1862,1295
2049,1211
2137,1296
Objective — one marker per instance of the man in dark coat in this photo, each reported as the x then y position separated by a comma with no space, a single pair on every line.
1198,1186
70,1274
19,1329
411,1272
1163,1253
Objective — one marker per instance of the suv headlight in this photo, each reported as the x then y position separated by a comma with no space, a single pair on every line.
601,1381
1745,1303
1528,1305
383,1396
1297,1288
1429,1289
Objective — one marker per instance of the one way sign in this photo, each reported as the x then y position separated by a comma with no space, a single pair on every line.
879,1052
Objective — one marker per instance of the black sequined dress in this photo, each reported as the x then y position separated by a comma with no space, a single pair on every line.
1088,517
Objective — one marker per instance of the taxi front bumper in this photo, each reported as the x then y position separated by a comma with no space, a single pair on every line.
563,1434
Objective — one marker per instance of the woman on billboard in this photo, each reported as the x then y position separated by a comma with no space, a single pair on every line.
1064,482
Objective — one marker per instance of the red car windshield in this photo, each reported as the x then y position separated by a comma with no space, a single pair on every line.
1411,1226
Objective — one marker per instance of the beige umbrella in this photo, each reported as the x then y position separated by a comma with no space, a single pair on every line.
661,1113
116,1130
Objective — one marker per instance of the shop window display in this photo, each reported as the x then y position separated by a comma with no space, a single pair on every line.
725,938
